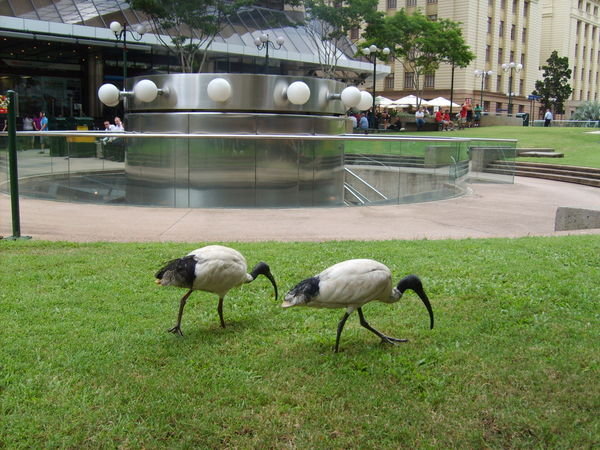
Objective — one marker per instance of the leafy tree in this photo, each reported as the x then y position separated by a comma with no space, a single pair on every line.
554,88
587,111
329,23
420,44
191,24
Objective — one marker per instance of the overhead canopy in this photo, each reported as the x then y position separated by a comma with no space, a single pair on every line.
383,101
442,102
411,100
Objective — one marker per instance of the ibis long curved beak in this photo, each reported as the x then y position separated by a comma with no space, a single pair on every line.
262,268
413,283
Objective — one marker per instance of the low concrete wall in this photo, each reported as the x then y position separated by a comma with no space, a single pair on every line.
490,121
482,156
436,156
576,219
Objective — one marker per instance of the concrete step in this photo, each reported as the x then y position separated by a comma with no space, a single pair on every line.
570,174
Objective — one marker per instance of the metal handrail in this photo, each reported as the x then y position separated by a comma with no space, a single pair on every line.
308,137
365,183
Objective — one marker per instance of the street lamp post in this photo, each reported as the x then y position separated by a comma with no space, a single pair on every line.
483,74
263,42
371,53
120,31
511,67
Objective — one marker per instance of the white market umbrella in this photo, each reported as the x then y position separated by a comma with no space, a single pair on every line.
411,100
441,102
383,101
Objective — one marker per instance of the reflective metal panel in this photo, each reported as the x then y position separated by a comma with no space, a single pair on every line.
249,92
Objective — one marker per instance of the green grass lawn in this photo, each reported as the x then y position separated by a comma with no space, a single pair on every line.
579,146
86,361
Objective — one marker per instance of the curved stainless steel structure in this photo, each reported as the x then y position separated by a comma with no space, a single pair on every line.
230,172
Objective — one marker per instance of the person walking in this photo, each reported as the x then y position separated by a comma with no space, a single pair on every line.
43,127
548,118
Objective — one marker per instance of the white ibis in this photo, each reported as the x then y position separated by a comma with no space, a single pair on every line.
214,269
351,284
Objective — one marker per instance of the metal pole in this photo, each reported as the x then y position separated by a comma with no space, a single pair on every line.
451,89
267,57
483,75
124,54
510,82
374,71
13,170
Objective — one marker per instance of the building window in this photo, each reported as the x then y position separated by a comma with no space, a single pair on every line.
512,55
489,30
499,83
525,9
354,34
582,71
503,4
411,3
486,82
391,4
498,106
523,59
500,56
501,28
431,1
491,3
524,36
389,81
521,87
514,8
580,4
429,80
513,30
488,52
409,80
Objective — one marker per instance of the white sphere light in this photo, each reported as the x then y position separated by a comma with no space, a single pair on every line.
298,93
109,94
366,101
145,91
219,90
116,27
351,96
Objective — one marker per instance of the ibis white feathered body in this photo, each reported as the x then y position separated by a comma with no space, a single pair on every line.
215,269
351,284
348,284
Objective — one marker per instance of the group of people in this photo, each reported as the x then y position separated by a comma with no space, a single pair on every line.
116,127
467,117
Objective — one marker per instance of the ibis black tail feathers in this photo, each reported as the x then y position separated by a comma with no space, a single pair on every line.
413,283
263,268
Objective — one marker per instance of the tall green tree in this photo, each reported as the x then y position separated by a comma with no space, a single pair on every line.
420,44
191,25
329,23
554,88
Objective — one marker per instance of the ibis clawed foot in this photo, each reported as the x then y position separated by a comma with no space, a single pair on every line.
214,269
351,284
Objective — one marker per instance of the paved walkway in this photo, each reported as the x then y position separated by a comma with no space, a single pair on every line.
525,208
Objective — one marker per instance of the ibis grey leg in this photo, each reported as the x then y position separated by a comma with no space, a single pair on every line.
339,331
177,328
383,337
220,310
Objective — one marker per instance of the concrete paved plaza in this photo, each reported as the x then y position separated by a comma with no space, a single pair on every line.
525,208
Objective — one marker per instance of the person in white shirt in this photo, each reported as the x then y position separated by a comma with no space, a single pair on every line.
420,118
548,118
